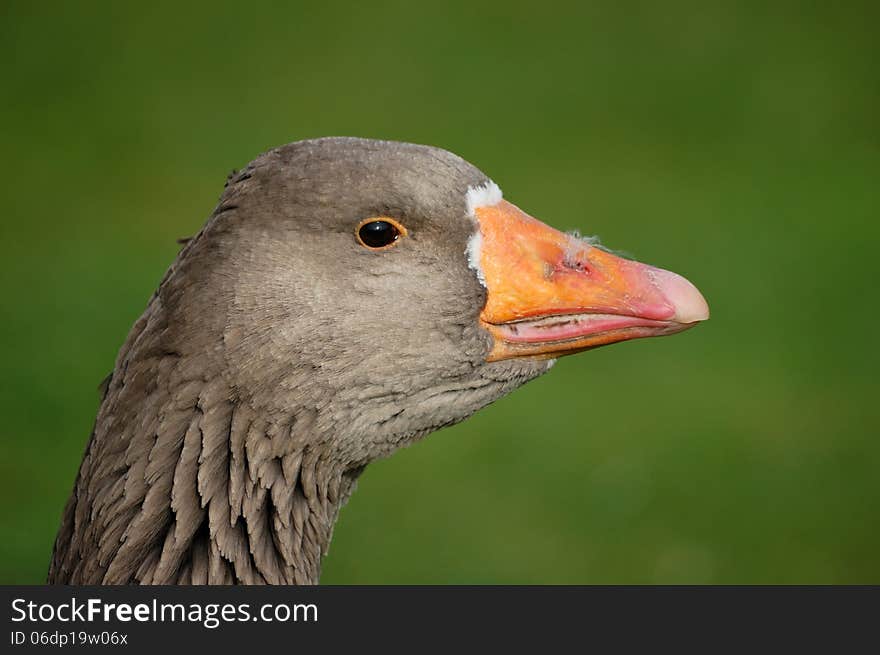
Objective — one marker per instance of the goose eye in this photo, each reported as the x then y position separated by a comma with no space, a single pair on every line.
379,233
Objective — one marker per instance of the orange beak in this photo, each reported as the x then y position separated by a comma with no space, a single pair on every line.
552,294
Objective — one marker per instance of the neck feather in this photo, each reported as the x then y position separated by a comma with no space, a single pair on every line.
182,483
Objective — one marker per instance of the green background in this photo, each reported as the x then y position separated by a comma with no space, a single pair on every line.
735,143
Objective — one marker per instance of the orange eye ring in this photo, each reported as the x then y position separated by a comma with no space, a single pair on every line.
379,232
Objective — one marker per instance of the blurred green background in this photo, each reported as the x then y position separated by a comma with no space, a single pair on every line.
734,143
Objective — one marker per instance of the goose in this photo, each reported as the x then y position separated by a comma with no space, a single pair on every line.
345,298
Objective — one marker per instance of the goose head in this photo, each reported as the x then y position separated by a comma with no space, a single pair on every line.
395,279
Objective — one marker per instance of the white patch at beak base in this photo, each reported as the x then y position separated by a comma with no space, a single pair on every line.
481,195
473,255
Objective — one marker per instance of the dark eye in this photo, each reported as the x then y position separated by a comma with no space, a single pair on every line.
379,233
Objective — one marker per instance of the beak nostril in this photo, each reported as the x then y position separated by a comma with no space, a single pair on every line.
575,264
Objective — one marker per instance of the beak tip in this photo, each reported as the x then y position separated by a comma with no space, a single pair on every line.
690,305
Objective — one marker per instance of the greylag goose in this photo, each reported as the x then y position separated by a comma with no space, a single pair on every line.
345,298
